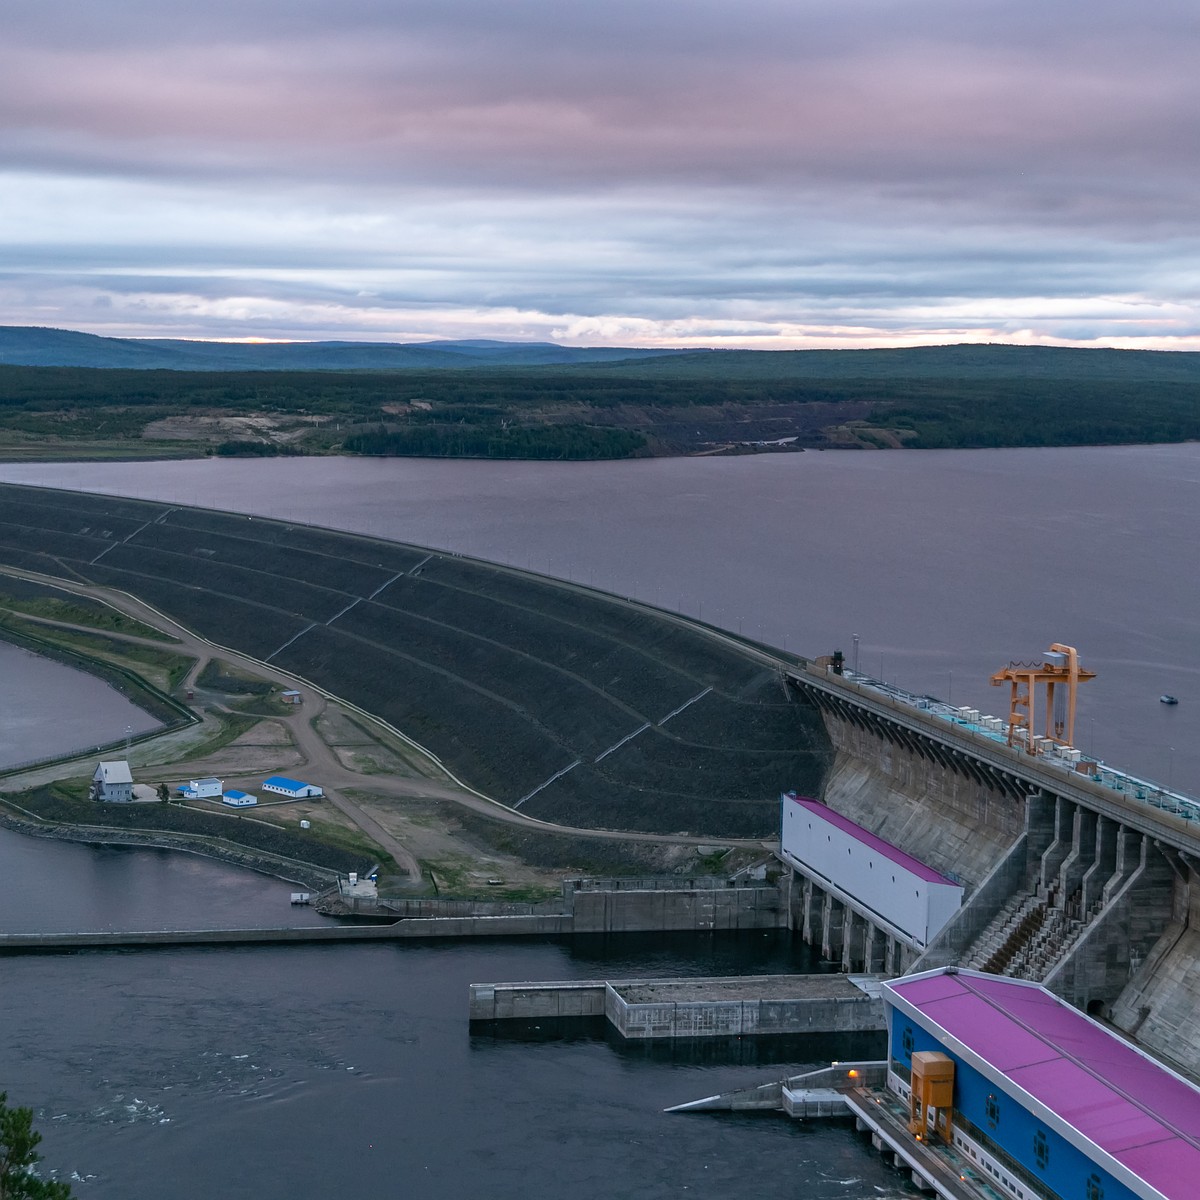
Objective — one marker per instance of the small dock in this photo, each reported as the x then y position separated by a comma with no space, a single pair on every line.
858,1091
763,1005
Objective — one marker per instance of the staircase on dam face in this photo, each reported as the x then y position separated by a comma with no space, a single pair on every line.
1029,936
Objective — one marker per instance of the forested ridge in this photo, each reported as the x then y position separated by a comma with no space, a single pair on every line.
716,402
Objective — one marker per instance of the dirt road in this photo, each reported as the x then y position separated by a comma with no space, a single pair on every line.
319,761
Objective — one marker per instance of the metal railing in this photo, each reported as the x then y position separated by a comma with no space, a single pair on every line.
1129,787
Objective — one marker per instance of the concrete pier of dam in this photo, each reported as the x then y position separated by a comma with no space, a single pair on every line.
756,1005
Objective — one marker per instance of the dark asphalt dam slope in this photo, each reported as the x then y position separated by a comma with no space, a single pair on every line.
565,703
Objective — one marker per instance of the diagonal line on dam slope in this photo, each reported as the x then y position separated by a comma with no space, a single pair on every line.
290,640
642,729
686,704
540,786
627,738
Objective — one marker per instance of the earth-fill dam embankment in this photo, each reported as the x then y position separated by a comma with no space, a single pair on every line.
573,706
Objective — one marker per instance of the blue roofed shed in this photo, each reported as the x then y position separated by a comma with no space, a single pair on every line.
293,789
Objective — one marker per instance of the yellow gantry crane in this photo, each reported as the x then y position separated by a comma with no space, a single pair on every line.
1059,669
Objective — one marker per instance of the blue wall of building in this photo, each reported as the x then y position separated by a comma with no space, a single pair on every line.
1006,1123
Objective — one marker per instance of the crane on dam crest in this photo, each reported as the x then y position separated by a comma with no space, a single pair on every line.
1060,675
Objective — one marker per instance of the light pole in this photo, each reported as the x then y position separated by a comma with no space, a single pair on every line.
856,654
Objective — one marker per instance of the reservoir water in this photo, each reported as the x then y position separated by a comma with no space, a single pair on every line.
47,708
945,564
281,1072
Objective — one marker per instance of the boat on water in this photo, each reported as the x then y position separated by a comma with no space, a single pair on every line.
1165,699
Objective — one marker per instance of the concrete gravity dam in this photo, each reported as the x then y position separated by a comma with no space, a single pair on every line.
583,709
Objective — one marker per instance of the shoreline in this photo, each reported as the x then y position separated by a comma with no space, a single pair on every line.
308,875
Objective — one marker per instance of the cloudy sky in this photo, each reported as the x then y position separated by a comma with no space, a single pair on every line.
764,173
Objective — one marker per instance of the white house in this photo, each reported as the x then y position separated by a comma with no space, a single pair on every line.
201,789
112,782
236,799
293,789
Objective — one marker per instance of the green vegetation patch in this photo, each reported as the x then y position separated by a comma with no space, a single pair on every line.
1039,413
70,612
221,677
727,401
322,845
99,650
36,600
85,652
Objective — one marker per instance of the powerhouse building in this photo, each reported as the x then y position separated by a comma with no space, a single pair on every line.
1047,1103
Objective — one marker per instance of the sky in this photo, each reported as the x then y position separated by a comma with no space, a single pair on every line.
774,174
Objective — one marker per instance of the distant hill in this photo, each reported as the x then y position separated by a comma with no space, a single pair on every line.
32,346
480,399
958,362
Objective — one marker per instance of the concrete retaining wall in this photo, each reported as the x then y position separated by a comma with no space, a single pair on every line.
724,1018
525,1001
707,908
746,1015
704,909
439,927
614,906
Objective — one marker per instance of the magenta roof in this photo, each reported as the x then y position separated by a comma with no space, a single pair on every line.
1145,1117
856,831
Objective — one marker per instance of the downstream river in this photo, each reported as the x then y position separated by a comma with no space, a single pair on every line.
296,1072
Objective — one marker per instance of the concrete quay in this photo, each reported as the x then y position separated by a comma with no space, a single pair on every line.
637,905
694,1008
613,907
32,943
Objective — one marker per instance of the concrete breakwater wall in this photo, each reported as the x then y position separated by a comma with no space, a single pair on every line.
706,909
694,1008
613,906
533,1001
27,943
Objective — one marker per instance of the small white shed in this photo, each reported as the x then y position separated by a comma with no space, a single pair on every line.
201,789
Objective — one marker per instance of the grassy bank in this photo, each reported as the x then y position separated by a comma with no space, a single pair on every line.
324,845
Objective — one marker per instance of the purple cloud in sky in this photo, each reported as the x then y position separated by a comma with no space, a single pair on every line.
754,173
